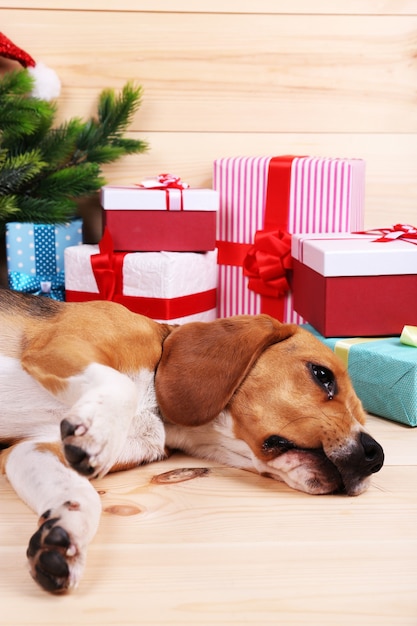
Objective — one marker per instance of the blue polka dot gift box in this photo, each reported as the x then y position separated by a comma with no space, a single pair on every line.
35,256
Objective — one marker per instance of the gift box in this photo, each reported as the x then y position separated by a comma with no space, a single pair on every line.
35,256
383,372
262,199
355,284
154,219
174,287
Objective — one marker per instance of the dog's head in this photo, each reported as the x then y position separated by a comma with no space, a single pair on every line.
289,397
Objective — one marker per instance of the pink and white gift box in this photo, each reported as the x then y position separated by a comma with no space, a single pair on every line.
151,219
362,285
261,199
174,287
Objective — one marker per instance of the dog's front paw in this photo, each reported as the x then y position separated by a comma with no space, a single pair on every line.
73,437
55,557
91,444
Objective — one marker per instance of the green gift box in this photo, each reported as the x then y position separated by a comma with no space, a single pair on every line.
383,372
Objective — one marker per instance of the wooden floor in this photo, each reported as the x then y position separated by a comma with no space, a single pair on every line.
230,547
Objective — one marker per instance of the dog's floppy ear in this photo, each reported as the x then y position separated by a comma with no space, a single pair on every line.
203,363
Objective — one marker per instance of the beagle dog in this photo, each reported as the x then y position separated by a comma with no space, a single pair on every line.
88,388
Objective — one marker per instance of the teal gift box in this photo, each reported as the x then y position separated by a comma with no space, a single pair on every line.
383,372
35,256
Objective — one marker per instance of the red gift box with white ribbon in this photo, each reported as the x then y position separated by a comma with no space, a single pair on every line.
357,284
263,200
161,213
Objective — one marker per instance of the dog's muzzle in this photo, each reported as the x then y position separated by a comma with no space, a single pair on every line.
357,462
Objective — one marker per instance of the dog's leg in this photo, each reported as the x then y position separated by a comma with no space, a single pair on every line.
68,507
101,403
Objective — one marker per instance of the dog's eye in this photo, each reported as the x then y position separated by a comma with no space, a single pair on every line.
325,378
277,443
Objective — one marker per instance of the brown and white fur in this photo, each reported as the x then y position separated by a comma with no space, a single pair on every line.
89,388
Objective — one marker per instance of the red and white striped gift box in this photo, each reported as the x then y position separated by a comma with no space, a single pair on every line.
293,194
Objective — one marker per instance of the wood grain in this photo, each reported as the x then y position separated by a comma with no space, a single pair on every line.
233,72
231,547
391,171
304,77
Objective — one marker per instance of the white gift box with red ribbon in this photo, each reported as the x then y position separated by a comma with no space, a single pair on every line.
174,287
161,213
356,284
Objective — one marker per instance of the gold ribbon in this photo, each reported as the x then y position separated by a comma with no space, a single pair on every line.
343,346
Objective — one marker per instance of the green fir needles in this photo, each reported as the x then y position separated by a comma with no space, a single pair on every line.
44,170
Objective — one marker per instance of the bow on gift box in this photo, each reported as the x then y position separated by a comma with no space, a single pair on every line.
164,181
398,231
173,186
47,280
268,262
51,285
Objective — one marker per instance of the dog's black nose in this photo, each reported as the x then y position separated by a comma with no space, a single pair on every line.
373,458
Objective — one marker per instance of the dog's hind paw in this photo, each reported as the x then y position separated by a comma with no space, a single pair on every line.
55,559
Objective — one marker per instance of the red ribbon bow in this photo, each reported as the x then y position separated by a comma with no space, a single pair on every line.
268,262
164,181
167,182
398,231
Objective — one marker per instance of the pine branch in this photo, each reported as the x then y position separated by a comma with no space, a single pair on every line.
59,145
130,146
72,182
16,83
43,170
21,115
17,172
8,208
105,154
116,113
45,210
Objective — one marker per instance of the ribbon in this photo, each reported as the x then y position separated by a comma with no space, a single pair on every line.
107,267
343,346
51,285
164,181
46,281
267,261
409,336
156,308
398,231
384,235
168,182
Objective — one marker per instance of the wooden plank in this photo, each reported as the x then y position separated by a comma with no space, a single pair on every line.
179,584
391,177
240,73
303,7
398,440
227,549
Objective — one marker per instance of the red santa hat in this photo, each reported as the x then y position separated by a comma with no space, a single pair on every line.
46,82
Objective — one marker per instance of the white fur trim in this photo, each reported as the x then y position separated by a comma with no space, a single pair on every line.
47,84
